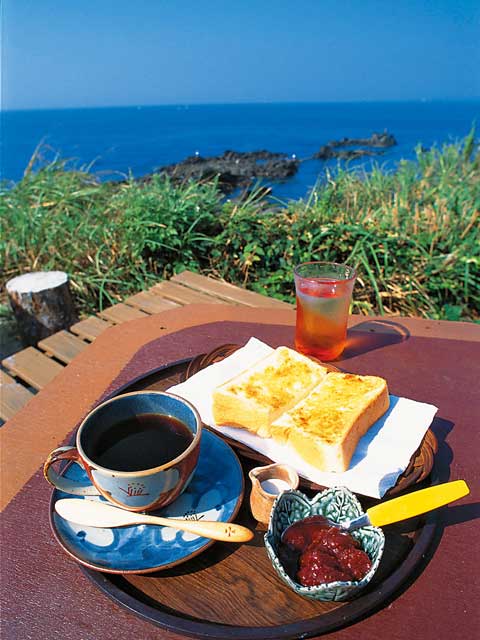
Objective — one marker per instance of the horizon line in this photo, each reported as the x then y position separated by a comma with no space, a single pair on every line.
186,105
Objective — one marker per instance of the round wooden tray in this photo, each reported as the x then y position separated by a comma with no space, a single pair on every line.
232,591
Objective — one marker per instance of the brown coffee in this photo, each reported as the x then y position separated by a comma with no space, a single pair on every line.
142,442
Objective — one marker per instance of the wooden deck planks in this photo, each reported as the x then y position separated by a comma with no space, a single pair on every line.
13,396
150,303
121,313
63,345
227,292
35,369
90,328
183,295
32,366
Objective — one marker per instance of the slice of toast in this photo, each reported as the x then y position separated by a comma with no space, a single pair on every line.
325,427
259,395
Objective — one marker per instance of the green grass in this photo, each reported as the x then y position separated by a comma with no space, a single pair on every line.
413,235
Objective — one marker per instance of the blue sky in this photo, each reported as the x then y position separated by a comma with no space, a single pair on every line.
67,53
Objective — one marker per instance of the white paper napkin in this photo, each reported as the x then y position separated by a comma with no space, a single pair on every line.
381,455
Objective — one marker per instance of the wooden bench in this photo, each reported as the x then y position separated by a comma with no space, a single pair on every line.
27,371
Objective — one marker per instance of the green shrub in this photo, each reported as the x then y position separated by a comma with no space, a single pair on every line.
113,239
413,235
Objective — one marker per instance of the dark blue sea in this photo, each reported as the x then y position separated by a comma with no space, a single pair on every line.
116,141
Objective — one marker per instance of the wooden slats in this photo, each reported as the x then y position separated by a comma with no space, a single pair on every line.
5,378
63,345
121,313
90,328
32,366
226,291
150,303
35,369
183,295
13,396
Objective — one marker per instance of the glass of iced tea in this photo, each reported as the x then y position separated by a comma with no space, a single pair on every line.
324,291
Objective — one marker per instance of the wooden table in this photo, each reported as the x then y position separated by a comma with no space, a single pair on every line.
46,596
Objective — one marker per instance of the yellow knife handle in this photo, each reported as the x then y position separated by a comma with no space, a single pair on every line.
417,502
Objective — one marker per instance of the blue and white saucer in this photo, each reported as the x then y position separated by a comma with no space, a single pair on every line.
214,493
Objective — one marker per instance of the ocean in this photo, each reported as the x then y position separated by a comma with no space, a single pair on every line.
115,141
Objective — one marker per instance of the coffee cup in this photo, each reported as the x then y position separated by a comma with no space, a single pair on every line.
139,451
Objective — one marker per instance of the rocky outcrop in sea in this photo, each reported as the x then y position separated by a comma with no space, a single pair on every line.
335,148
241,169
234,168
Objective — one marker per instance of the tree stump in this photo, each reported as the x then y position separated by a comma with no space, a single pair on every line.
42,304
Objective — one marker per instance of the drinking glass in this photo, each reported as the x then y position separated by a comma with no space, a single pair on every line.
324,291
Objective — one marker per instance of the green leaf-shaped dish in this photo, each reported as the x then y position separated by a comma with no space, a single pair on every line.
337,504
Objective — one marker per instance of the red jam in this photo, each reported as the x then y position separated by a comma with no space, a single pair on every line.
313,552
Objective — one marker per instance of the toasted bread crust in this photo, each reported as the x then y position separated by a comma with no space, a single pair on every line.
295,401
256,397
326,426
